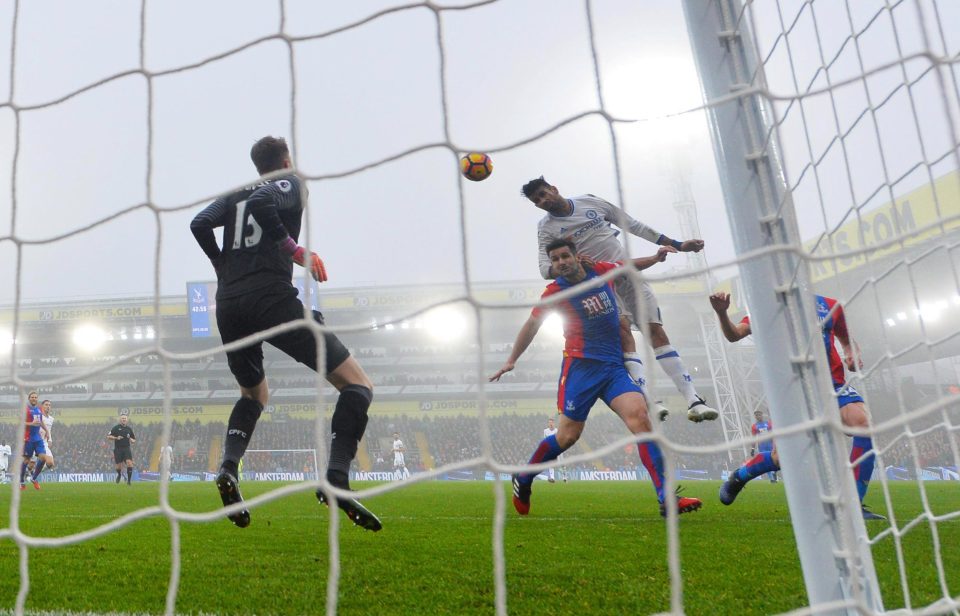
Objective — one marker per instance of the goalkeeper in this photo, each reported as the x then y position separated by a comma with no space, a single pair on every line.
261,227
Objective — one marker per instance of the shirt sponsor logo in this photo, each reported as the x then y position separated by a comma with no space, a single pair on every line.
590,226
597,305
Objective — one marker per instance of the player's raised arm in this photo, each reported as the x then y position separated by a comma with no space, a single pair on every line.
527,333
264,205
851,350
619,217
684,246
205,222
643,263
720,302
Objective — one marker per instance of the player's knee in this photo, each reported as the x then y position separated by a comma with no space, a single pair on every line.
258,393
641,423
854,415
658,335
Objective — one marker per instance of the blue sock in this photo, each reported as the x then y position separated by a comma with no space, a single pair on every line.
652,459
547,450
38,468
756,466
863,471
23,472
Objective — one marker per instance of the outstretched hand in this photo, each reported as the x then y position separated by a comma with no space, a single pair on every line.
854,362
663,251
691,246
317,269
720,301
507,367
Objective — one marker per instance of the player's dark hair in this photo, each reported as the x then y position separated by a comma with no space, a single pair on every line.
533,186
269,153
560,243
44,402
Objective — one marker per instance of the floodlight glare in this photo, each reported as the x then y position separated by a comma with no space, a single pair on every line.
445,323
89,337
553,325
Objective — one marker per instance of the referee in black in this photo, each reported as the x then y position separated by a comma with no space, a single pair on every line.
261,228
122,437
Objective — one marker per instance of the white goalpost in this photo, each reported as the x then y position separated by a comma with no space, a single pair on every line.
768,203
836,561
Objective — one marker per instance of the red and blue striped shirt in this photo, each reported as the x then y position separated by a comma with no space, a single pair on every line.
591,320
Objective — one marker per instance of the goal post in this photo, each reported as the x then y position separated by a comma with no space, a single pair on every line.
830,534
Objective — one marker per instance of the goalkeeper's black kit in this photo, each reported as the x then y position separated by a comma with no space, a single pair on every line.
254,289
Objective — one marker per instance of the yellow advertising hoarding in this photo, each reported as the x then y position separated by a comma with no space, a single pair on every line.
920,208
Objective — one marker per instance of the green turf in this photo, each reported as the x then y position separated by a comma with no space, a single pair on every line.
586,548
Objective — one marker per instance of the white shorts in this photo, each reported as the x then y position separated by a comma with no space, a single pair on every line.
627,305
47,447
398,459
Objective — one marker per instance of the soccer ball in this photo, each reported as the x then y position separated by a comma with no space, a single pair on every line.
476,166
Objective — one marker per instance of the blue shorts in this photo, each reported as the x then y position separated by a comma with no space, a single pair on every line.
32,448
846,394
584,381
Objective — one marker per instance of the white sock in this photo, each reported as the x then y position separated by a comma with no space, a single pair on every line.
670,361
634,366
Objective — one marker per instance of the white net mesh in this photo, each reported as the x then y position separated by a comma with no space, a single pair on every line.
864,106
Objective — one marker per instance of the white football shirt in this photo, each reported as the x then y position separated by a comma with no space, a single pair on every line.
47,423
5,453
591,227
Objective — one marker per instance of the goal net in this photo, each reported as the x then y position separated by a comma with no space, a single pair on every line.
816,154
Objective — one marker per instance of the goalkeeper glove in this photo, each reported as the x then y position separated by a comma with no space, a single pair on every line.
309,260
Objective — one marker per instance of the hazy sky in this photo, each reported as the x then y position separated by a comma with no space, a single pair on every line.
514,68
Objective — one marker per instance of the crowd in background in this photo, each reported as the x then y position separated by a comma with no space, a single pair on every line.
433,441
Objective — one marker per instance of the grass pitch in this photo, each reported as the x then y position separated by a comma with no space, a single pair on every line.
586,548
